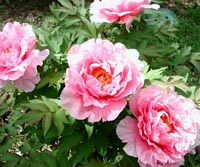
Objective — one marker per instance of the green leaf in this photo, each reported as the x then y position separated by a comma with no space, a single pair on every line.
25,147
67,142
46,123
9,157
51,135
36,105
83,150
9,164
2,133
102,143
195,60
89,129
6,145
59,118
90,26
49,160
66,3
94,162
156,74
179,82
31,117
50,78
129,161
51,104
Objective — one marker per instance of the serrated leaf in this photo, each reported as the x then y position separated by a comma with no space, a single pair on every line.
156,74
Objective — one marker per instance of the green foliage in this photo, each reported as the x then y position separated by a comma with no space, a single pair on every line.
36,131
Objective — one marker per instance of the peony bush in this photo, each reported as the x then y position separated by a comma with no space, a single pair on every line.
100,83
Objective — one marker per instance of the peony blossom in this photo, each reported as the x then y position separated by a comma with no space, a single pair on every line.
99,77
166,128
122,11
18,58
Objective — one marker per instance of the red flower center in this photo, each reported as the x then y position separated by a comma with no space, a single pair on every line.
103,77
167,122
7,51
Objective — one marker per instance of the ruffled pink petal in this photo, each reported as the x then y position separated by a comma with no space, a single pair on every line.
28,80
127,131
73,104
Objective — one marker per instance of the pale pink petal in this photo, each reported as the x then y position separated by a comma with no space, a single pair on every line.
127,131
28,80
73,104
134,105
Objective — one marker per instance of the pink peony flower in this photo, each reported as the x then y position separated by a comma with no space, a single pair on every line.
122,11
166,129
99,77
18,58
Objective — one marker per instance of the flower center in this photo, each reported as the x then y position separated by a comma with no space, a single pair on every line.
103,77
167,122
7,51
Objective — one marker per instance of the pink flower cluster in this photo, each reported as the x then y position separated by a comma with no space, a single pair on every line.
122,11
18,58
99,78
166,128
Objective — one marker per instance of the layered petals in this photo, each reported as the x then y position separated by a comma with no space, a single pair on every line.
166,128
99,78
18,58
123,11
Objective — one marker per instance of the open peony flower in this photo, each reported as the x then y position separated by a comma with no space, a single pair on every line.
122,11
166,129
18,58
99,77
